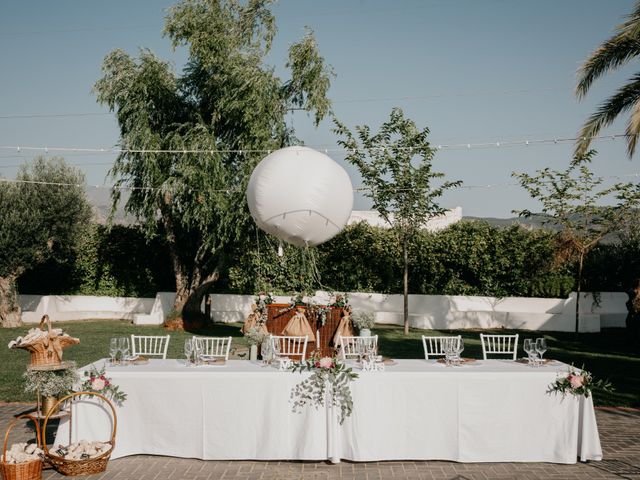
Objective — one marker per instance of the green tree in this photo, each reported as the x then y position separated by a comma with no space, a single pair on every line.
396,167
41,218
227,102
573,203
617,51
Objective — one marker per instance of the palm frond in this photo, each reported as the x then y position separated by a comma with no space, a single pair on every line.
612,54
633,129
624,99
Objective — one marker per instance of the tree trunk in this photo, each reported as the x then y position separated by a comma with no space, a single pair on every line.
405,286
10,312
633,309
579,290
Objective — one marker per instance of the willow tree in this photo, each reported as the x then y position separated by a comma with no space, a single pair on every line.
42,216
396,165
190,140
575,204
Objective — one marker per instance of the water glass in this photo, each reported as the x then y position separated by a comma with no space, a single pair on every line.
188,351
113,350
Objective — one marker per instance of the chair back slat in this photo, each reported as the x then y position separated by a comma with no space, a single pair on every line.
150,345
218,347
352,347
434,346
499,345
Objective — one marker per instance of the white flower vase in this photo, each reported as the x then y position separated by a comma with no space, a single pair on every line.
365,332
253,353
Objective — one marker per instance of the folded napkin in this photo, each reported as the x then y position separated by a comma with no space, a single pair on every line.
462,360
214,361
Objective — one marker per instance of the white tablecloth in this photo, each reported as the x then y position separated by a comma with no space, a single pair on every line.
489,411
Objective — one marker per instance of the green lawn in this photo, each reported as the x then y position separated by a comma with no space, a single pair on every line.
607,354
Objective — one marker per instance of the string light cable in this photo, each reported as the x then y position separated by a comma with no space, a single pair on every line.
234,190
451,146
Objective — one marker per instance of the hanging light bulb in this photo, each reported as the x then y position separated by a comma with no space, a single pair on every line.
280,250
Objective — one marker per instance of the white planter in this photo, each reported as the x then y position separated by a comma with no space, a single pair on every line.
365,332
253,353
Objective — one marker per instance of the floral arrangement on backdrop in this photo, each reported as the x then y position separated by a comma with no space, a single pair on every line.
330,380
255,336
262,301
578,382
363,319
97,381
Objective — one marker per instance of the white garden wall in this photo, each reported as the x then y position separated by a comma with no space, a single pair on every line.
81,307
425,311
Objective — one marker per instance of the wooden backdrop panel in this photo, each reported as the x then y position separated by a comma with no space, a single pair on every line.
279,314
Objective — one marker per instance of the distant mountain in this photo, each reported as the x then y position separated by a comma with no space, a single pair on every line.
100,199
534,221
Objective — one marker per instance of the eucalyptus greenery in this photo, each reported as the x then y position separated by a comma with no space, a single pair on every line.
574,204
330,380
228,102
51,383
396,169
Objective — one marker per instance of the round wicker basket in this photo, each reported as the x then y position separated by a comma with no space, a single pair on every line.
20,471
48,351
85,466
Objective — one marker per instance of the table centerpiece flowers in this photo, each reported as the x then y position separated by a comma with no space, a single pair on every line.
97,381
578,382
329,381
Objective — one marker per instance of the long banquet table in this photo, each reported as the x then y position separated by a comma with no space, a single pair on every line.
486,411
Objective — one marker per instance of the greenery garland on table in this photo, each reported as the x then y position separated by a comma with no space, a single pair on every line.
326,373
578,382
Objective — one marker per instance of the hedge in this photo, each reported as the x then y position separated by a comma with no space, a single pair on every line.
467,258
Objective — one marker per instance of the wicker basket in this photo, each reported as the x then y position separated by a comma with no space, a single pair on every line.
87,466
20,471
48,351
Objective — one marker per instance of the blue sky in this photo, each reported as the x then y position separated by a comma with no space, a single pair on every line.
473,71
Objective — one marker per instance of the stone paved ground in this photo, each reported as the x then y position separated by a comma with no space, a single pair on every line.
619,433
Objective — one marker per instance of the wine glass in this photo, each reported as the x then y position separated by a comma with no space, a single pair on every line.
113,350
459,348
188,351
198,348
123,346
448,349
275,350
530,349
541,346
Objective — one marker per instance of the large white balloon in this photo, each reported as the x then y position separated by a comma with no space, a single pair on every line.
300,195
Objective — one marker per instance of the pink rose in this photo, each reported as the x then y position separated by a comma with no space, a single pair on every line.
98,384
326,362
576,381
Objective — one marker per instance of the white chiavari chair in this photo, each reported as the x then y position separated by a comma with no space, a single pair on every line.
215,347
499,345
434,346
352,347
289,346
150,345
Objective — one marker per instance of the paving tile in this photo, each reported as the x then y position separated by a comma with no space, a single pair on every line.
619,433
